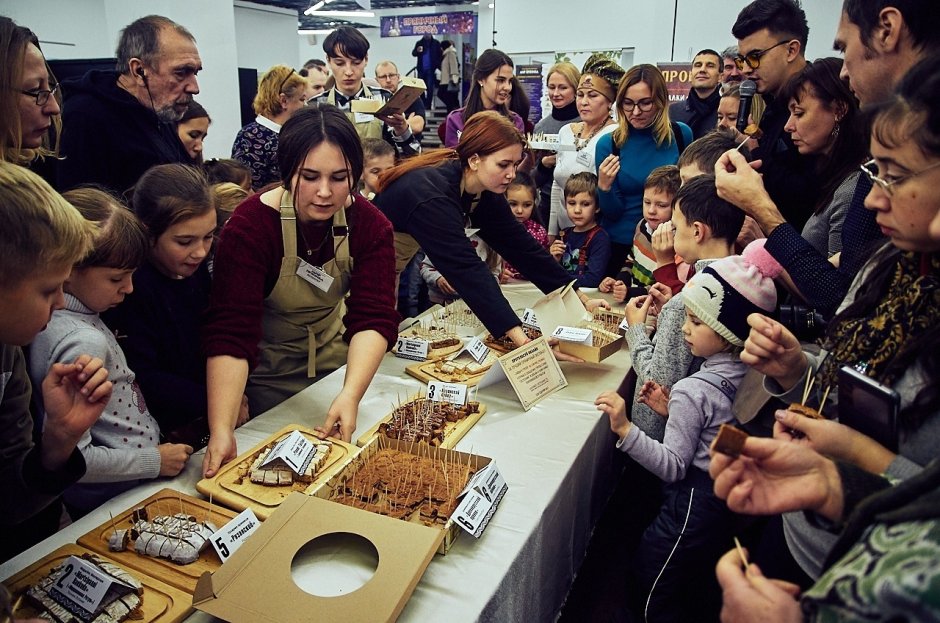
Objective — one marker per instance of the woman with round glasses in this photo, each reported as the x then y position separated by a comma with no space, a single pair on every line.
280,92
888,326
29,97
643,140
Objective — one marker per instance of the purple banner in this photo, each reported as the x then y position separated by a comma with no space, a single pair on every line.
530,77
429,24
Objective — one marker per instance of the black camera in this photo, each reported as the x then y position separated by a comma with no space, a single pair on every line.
804,322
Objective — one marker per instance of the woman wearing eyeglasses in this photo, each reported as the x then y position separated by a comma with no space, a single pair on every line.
280,92
29,103
888,325
644,139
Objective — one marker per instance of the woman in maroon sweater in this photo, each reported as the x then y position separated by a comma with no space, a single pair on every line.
286,261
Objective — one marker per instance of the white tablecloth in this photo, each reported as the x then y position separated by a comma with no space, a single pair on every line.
556,458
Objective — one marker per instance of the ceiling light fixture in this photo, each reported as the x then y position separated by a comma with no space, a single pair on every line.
343,14
306,31
315,7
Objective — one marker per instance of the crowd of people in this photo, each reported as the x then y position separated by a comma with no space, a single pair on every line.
152,301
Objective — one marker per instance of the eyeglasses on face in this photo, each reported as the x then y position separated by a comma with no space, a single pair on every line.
386,76
42,95
870,169
645,105
753,58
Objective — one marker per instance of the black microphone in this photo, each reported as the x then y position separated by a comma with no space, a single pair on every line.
747,90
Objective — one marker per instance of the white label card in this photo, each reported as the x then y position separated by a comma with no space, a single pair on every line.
623,325
232,535
81,587
363,117
455,393
585,159
295,451
410,348
529,319
477,349
480,499
574,334
314,275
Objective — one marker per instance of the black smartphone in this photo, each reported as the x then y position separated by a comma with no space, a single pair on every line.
869,407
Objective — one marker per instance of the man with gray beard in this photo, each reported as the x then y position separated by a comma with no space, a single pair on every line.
117,124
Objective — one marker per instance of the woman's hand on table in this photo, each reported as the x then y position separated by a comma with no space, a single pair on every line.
220,450
834,440
607,172
340,418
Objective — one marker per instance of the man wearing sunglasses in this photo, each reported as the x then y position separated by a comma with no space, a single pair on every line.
771,42
117,124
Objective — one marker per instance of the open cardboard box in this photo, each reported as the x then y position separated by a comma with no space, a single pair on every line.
408,91
563,308
255,583
448,530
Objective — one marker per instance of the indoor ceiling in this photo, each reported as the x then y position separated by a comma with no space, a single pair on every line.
316,23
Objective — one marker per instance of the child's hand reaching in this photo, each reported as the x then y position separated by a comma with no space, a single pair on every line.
445,287
557,249
607,285
616,409
664,244
655,396
620,291
637,309
660,293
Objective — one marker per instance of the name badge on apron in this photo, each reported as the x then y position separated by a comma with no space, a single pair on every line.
314,275
363,117
585,160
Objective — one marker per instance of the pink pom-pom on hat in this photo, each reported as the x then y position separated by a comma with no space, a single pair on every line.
757,256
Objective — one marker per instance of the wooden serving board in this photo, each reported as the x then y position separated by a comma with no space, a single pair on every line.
424,371
435,353
161,603
453,431
163,502
229,488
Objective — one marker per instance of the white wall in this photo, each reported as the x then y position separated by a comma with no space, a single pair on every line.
644,26
90,29
266,35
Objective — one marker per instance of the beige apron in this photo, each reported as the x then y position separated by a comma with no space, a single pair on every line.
365,129
302,328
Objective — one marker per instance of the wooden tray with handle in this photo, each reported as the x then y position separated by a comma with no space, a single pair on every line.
161,602
163,502
232,487
453,431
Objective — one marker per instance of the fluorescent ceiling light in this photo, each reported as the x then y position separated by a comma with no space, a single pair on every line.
315,32
343,14
315,7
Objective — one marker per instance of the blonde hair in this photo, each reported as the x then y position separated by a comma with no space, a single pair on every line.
567,70
653,78
14,41
121,241
38,228
228,196
279,79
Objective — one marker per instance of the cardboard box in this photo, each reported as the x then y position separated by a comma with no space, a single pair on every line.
607,344
408,91
255,584
450,529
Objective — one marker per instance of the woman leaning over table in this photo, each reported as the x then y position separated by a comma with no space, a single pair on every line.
595,94
433,197
303,283
644,139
